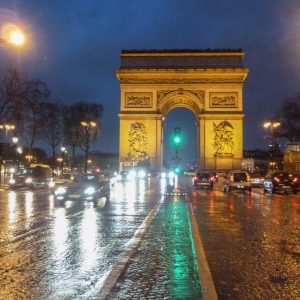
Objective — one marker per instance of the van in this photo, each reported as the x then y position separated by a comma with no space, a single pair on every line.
237,180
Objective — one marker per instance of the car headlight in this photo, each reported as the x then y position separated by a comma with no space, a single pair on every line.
131,175
142,174
51,184
89,191
12,170
171,174
163,174
28,180
12,181
60,191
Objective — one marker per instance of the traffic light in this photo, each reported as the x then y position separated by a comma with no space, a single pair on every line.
176,170
177,137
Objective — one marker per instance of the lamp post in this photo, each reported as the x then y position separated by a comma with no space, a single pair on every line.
272,123
88,130
7,127
63,149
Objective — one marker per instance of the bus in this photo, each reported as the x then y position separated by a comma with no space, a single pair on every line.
291,157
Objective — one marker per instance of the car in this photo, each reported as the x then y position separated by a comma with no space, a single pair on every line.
126,175
237,180
214,176
62,179
31,177
203,179
190,172
280,182
85,187
109,176
256,180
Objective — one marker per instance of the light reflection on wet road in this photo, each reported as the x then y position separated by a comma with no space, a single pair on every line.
54,252
49,251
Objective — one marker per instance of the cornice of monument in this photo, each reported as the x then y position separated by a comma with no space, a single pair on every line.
175,76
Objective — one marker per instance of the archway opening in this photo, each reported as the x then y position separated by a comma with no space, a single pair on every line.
188,148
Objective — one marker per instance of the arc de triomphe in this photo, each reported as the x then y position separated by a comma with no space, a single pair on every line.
208,82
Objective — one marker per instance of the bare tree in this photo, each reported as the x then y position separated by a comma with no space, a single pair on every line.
289,115
75,134
29,113
52,126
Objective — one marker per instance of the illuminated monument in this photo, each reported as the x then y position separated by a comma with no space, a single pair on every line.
208,82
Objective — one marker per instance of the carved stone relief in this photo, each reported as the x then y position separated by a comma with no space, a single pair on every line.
138,99
223,100
223,141
137,139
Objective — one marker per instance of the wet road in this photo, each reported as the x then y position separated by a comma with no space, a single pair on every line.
251,242
49,251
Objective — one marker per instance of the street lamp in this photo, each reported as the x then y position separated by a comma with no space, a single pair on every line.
12,34
88,130
272,123
63,149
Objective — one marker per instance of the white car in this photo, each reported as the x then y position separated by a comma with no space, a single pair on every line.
62,179
190,172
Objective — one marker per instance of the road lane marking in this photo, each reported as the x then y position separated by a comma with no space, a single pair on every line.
111,278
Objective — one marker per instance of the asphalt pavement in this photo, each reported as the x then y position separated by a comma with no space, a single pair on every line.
168,262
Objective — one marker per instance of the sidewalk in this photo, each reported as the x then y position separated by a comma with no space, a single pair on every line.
165,264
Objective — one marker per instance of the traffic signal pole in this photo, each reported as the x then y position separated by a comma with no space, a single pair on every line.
176,160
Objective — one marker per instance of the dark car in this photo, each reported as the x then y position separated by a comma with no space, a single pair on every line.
280,182
203,179
85,186
257,180
32,177
109,176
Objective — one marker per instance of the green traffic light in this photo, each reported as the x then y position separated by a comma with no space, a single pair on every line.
176,170
177,139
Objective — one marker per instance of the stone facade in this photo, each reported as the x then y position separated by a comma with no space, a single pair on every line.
209,83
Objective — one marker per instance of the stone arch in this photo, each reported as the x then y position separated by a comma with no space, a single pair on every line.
207,82
193,101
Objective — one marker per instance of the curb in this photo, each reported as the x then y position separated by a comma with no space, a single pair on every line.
208,287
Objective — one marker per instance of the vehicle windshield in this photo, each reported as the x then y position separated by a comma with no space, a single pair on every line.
239,177
24,171
85,178
203,175
65,176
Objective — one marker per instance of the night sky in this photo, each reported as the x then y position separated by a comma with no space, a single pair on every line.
74,47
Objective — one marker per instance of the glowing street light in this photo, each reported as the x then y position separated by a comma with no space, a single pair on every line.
272,123
88,130
63,149
11,34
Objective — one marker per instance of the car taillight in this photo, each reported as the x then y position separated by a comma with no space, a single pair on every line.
295,180
276,179
231,178
211,178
